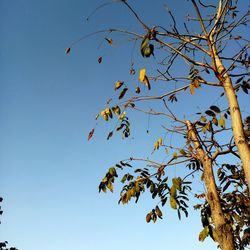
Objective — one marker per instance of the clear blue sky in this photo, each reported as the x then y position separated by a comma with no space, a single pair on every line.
49,173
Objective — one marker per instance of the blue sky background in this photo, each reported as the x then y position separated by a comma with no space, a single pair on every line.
49,173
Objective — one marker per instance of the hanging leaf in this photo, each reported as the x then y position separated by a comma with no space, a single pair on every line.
144,44
147,83
132,71
215,109
142,74
173,203
67,51
118,84
110,135
109,40
109,112
116,110
222,122
226,186
215,121
244,88
183,152
203,234
203,118
160,141
191,88
148,218
137,90
175,155
104,115
172,98
196,83
100,59
123,92
108,101
91,134
156,145
158,212
210,113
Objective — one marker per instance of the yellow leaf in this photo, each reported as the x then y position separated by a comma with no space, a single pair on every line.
142,74
203,234
160,141
175,155
104,115
191,88
118,84
222,122
116,110
196,83
156,145
173,203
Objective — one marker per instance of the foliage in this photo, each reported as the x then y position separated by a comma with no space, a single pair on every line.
3,245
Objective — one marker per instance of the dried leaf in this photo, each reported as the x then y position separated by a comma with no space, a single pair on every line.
123,92
100,59
147,83
109,40
137,90
215,121
91,134
148,218
110,135
67,51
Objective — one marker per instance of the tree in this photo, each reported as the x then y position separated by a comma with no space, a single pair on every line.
3,245
208,145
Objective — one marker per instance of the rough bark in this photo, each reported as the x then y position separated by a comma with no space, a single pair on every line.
223,230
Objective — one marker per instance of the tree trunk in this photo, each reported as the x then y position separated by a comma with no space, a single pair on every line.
223,231
237,125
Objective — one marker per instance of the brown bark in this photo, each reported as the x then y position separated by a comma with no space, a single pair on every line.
223,231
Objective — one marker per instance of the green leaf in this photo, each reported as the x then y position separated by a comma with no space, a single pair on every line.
124,178
144,44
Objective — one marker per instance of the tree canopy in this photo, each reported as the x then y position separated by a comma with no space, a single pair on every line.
212,47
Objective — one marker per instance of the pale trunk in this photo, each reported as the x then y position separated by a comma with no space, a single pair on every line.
237,125
223,230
